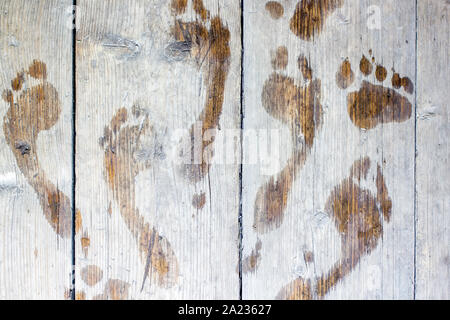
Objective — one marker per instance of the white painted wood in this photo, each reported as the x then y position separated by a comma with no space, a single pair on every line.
123,60
35,263
388,271
433,200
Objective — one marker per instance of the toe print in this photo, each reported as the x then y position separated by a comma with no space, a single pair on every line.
209,48
299,108
31,111
310,16
374,104
124,160
275,9
357,214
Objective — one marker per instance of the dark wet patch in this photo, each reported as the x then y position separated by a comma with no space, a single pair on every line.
374,104
304,67
310,16
275,9
405,82
365,66
280,58
17,82
91,275
199,201
251,263
179,6
85,244
380,73
114,290
345,75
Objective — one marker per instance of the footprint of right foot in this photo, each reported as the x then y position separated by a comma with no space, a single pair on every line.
374,104
31,111
357,214
299,108
124,159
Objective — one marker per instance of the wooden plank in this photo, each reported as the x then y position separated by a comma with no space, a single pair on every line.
152,227
336,219
433,202
36,149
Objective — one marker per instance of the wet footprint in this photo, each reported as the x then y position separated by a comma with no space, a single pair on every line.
299,108
31,111
207,40
374,104
310,16
357,214
128,143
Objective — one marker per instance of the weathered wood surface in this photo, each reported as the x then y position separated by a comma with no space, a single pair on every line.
344,191
433,129
154,228
322,229
35,149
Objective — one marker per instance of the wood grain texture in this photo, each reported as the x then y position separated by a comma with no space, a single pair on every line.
345,191
146,70
337,216
433,129
36,149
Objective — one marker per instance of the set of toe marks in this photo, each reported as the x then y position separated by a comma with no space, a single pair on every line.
32,110
374,104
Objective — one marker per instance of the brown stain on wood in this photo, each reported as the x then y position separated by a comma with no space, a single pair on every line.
85,244
299,289
383,196
114,290
121,142
37,109
374,104
310,16
38,70
275,9
91,275
210,49
199,8
199,201
251,263
357,215
308,256
380,73
179,6
17,82
345,75
365,66
80,295
304,67
300,109
405,82
280,58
